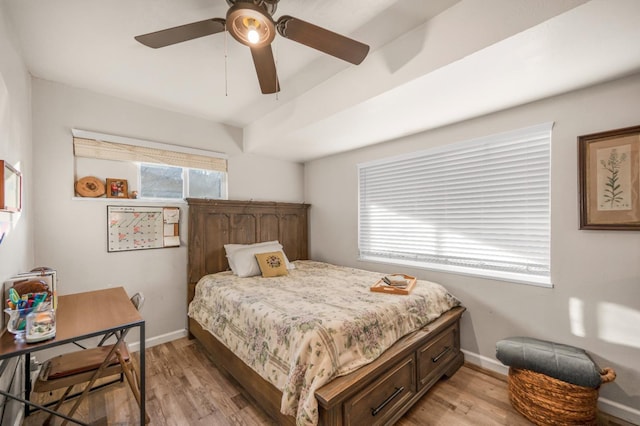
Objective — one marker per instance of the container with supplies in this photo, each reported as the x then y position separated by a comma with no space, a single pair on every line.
30,316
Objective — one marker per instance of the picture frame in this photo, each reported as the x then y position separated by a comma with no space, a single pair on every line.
11,188
609,179
117,188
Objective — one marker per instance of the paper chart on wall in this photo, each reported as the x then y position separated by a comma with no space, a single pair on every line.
139,228
171,220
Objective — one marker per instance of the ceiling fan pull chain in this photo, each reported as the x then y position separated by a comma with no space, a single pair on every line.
275,64
226,82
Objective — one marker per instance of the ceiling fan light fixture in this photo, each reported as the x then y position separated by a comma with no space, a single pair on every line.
250,24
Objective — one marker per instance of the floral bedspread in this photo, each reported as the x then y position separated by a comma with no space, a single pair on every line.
302,330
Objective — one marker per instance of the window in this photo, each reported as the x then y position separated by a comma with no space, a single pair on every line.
479,207
206,184
159,181
161,171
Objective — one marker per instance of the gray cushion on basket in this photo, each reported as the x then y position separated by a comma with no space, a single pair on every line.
562,362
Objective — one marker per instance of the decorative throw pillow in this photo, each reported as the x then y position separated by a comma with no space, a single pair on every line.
272,264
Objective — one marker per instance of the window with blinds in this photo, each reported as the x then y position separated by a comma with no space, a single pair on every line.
479,207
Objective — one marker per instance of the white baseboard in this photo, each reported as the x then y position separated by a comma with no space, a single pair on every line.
605,405
485,362
618,410
158,340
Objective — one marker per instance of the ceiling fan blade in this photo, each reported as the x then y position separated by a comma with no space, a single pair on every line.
266,69
322,39
182,33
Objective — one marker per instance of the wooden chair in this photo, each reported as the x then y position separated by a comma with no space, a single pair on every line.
89,365
74,368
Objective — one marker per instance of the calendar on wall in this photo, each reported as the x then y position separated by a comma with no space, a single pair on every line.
140,228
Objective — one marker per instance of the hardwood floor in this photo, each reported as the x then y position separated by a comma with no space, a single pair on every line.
185,388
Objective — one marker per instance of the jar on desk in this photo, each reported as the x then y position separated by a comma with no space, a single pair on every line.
41,325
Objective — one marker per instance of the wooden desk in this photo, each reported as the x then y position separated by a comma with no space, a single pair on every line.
80,316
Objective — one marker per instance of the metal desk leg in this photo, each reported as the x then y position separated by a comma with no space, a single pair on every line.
7,395
142,376
27,383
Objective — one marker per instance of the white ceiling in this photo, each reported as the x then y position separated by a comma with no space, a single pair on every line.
431,63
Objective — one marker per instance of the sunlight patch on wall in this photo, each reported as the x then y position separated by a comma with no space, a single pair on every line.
8,221
576,317
618,324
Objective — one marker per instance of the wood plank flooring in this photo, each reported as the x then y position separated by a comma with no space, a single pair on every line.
185,388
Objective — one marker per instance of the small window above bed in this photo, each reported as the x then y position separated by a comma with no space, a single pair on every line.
478,207
154,171
159,181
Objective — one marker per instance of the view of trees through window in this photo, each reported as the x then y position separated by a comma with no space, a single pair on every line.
205,183
160,181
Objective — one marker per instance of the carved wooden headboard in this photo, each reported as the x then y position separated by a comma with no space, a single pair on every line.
214,223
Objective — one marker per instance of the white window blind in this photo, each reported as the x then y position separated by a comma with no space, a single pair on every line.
148,153
479,207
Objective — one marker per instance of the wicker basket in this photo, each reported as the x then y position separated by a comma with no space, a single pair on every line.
548,401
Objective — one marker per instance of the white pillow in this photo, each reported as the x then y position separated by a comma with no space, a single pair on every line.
242,257
231,249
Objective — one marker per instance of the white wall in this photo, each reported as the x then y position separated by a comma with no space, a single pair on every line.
598,271
16,249
71,234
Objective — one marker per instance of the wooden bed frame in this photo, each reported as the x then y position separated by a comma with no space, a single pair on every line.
378,393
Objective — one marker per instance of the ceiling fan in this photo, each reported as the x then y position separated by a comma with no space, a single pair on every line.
251,23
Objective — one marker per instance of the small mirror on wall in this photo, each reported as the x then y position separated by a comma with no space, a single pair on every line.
11,188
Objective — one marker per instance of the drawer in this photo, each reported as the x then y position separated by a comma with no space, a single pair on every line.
436,353
376,403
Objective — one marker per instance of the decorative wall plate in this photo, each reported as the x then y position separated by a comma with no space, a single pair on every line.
90,186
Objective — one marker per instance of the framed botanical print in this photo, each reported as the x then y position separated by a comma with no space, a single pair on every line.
609,178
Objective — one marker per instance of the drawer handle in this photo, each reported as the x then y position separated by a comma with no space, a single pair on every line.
441,354
398,391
